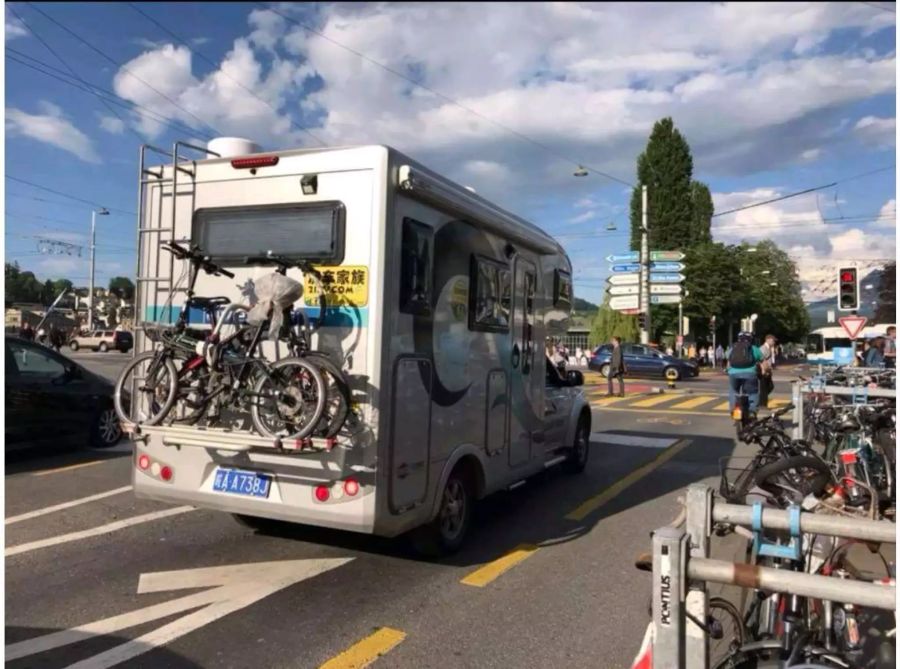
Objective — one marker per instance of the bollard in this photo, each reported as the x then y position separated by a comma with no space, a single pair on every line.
669,571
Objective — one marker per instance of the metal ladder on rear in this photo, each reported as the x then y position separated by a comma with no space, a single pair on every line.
155,288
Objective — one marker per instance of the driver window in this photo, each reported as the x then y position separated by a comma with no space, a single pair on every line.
553,376
35,363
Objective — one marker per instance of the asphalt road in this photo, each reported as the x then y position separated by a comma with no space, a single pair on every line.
567,596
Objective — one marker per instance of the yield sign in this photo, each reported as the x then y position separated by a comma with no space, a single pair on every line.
852,325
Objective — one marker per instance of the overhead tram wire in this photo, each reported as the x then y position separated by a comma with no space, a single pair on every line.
122,67
111,97
889,10
211,62
71,197
549,150
141,138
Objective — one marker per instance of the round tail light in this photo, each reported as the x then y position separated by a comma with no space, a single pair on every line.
351,487
322,493
166,473
143,462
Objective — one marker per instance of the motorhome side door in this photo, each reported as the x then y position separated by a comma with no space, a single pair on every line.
526,375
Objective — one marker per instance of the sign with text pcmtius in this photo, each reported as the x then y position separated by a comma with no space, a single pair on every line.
345,285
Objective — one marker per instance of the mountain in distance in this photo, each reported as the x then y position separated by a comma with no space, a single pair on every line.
818,311
584,305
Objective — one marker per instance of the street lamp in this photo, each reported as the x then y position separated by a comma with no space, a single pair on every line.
102,211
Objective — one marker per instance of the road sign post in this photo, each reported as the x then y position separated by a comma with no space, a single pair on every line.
623,302
630,279
645,269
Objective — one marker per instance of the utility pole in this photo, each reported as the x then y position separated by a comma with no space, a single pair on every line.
103,212
645,270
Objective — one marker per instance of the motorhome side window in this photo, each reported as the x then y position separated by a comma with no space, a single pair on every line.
562,288
491,295
416,268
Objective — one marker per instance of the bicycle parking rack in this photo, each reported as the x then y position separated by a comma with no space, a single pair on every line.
859,394
682,567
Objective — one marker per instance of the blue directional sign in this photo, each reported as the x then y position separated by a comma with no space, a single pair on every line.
666,266
629,267
629,256
658,277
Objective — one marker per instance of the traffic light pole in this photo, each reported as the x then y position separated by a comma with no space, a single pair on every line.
645,270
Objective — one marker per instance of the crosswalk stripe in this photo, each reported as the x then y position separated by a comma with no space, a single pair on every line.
721,407
694,403
775,404
653,401
610,400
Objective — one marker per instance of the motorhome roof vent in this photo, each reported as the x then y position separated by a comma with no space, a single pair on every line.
228,147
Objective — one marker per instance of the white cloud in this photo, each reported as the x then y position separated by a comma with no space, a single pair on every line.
810,155
14,28
199,41
52,128
268,28
583,217
877,132
112,125
585,203
145,43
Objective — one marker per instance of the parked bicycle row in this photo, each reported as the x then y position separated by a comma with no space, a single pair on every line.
215,372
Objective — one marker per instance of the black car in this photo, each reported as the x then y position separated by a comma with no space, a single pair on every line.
123,341
52,401
643,360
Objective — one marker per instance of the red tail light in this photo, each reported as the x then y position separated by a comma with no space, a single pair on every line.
143,462
351,487
322,493
255,161
166,473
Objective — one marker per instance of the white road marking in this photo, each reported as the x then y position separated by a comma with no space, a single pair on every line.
230,588
629,440
66,505
96,531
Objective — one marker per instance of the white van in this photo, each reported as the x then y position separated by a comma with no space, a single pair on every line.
439,304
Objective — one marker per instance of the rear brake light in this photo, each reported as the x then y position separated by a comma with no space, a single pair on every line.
143,462
255,161
166,473
351,487
322,493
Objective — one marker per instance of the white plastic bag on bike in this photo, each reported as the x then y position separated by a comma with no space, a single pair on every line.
275,293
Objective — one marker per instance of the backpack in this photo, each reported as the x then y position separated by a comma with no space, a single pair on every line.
742,355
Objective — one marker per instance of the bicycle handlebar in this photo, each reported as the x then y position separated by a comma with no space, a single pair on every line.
194,256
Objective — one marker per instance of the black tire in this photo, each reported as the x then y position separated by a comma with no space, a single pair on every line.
337,404
604,370
73,345
581,448
795,477
446,533
103,348
106,431
725,615
274,417
196,379
672,373
161,406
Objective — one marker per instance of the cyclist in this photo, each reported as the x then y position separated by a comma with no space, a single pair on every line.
742,371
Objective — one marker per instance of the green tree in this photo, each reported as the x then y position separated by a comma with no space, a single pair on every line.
21,286
703,210
666,168
608,323
123,287
886,311
713,287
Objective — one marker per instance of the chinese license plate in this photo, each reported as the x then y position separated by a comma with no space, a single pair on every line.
237,482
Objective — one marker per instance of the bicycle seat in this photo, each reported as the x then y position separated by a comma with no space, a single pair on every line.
209,302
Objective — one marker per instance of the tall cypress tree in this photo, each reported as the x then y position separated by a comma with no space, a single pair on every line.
666,167
701,226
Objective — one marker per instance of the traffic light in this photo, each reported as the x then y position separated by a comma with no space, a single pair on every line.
642,321
848,289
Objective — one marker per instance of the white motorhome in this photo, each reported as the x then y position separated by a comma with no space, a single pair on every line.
439,306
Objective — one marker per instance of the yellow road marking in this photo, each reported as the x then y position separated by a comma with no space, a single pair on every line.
653,401
589,506
484,575
610,400
365,652
668,411
68,467
693,403
775,404
721,407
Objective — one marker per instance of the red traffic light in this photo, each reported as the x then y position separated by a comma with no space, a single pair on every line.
847,275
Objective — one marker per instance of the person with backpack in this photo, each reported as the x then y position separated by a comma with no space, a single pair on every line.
742,371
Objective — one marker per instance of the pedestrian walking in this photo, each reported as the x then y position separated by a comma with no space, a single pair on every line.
42,336
742,372
890,348
875,355
27,332
670,351
766,367
711,357
616,367
57,338
702,354
720,356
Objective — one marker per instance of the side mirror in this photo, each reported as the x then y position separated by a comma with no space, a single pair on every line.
575,378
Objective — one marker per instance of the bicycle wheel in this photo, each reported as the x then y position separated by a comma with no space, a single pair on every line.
190,400
145,390
789,480
724,617
289,399
338,392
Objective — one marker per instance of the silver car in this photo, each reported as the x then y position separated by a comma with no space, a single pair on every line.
97,340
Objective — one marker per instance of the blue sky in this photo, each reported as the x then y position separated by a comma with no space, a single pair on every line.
773,98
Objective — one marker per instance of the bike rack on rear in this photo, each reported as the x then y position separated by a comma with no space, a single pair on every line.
224,439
